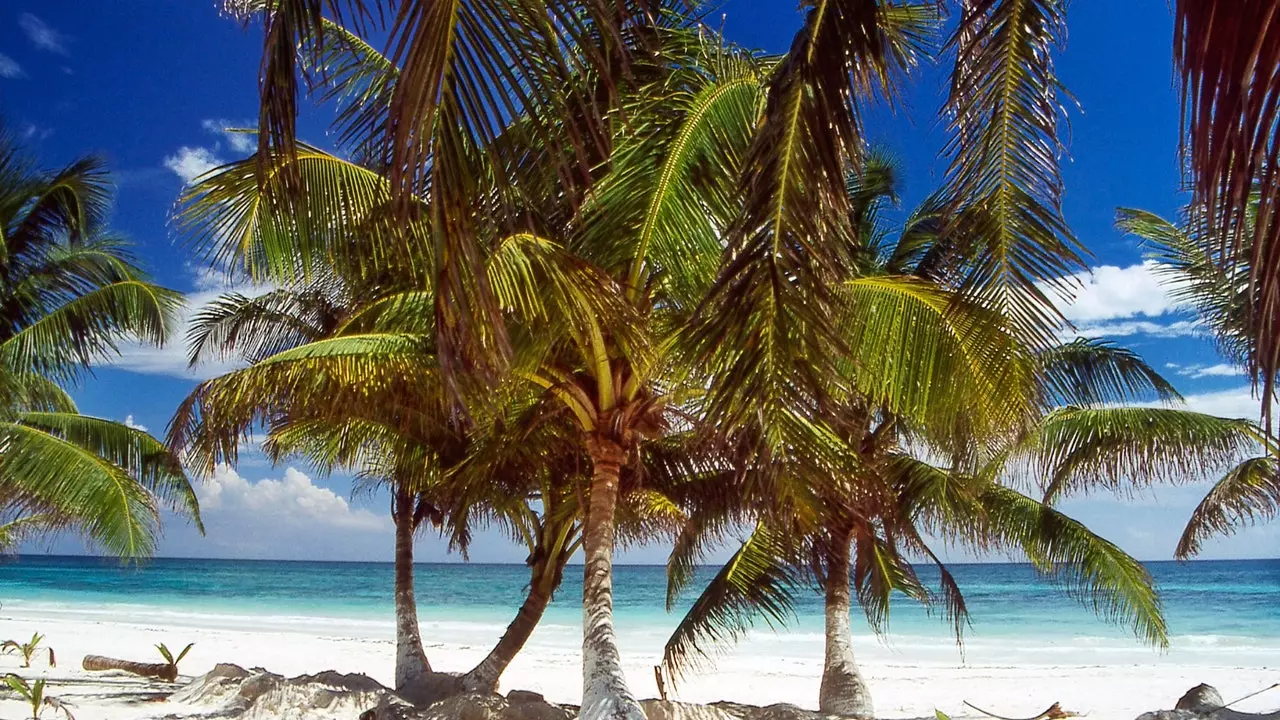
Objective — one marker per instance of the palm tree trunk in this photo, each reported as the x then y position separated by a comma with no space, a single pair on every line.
484,677
604,689
843,691
411,659
162,671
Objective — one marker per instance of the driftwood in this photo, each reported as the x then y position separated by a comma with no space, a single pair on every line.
160,671
1054,712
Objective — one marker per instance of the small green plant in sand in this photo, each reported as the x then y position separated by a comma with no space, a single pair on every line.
33,694
170,659
27,649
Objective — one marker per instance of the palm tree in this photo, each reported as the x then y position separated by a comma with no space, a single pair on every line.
464,80
856,530
314,350
1225,54
70,293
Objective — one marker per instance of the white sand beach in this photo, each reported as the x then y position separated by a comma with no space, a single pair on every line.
1103,682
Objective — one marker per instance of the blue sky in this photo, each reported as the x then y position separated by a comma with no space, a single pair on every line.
150,84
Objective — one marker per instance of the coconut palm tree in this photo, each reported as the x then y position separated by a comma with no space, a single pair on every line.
1225,53
70,294
464,80
317,345
853,533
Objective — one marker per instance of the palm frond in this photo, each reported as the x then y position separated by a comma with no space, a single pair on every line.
765,324
254,328
755,583
43,474
1186,259
1005,184
926,356
1121,448
1226,54
66,340
661,211
1248,493
1093,569
330,375
879,570
341,225
1097,372
145,459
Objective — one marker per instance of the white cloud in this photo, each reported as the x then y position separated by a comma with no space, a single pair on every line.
1235,403
42,35
129,423
292,500
9,68
1111,293
1195,372
242,143
1112,301
190,163
1178,328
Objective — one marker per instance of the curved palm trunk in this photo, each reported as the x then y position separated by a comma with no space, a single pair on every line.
843,691
551,552
411,659
604,689
484,677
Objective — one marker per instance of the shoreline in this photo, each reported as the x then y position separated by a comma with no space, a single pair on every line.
766,668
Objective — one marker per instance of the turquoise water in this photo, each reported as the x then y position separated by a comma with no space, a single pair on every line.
1207,603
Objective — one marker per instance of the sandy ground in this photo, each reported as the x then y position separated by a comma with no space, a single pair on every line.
757,673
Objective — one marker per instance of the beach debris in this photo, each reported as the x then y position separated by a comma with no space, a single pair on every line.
33,693
169,658
662,684
1204,702
160,671
1053,712
27,649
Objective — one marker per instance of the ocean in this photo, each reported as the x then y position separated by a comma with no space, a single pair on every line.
1219,612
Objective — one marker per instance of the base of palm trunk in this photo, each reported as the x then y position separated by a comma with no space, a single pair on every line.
845,693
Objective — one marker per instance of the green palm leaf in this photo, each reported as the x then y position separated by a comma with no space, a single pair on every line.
341,225
755,583
145,459
1078,449
767,320
1248,493
47,475
1004,179
1097,372
929,358
90,327
1094,570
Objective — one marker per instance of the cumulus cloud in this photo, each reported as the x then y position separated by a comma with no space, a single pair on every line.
241,143
42,35
9,68
1110,293
190,163
292,500
129,423
1112,301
